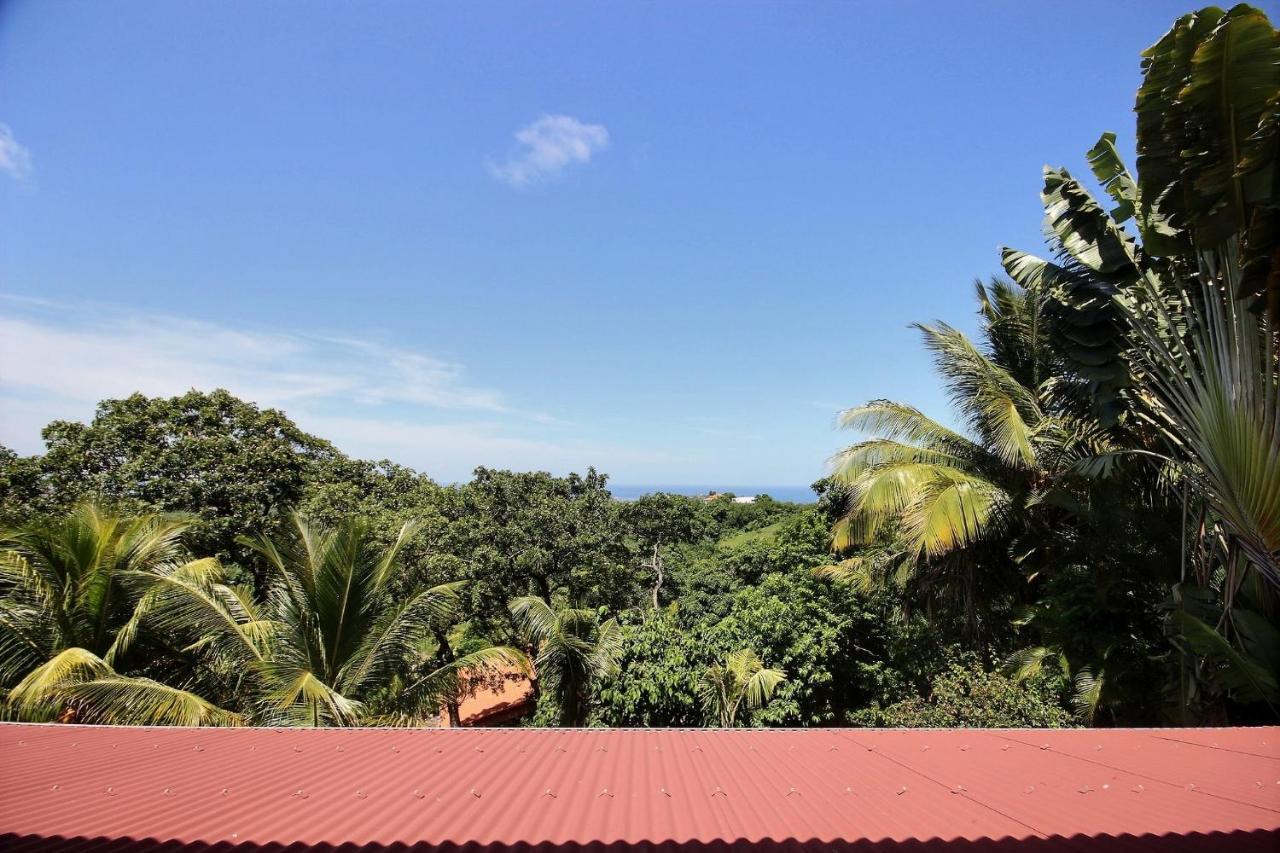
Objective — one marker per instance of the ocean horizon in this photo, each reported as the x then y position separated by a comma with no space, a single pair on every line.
791,494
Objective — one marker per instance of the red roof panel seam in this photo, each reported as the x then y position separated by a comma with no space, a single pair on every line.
946,787
1177,785
1219,748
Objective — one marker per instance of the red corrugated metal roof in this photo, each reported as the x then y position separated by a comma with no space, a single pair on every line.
103,788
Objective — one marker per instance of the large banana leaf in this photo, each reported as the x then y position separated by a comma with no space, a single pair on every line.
1208,137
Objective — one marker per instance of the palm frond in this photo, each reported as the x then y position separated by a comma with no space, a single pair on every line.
121,701
43,686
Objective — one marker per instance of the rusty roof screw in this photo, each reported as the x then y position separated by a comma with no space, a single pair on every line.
902,790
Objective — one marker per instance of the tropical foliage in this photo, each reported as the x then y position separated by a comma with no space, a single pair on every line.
1090,536
1119,454
742,681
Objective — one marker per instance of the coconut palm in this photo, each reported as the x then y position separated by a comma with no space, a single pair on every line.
341,647
952,502
71,591
742,680
573,649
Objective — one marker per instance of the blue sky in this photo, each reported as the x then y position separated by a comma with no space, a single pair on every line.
669,240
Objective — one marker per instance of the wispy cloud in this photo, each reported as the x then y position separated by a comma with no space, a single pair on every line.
547,146
15,160
90,355
370,398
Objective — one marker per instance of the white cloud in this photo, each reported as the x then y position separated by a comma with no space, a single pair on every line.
371,399
548,145
14,158
115,353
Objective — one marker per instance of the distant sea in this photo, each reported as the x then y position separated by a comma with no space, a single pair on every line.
793,494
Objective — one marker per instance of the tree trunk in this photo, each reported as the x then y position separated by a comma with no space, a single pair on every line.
657,571
444,657
544,589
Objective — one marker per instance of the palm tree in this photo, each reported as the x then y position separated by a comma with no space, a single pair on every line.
341,645
573,650
73,590
949,504
743,679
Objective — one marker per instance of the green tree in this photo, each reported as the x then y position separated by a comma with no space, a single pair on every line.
516,534
658,522
574,650
656,680
742,680
967,696
341,645
234,467
954,503
73,588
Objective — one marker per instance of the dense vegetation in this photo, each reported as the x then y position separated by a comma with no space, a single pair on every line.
1095,541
